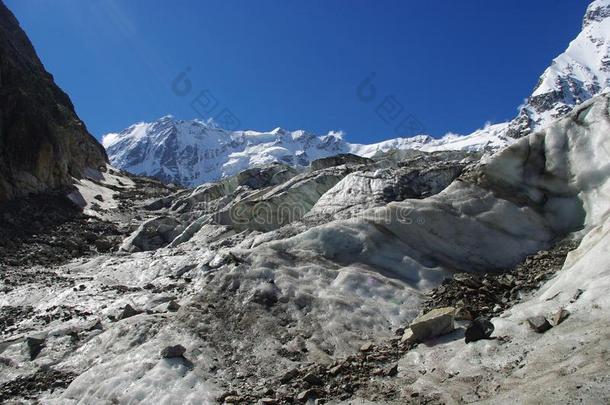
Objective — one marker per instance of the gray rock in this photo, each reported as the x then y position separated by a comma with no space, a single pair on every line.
152,234
391,371
173,306
307,395
560,316
366,347
289,376
539,323
313,379
437,322
35,345
408,337
480,328
171,352
128,312
267,295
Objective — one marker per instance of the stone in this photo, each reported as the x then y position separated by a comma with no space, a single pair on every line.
171,352
307,395
336,369
391,371
577,295
128,312
560,316
266,294
463,314
173,306
289,376
407,336
313,379
480,328
268,401
35,345
366,347
151,235
539,323
103,245
436,322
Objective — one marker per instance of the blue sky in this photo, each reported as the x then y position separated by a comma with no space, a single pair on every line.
441,65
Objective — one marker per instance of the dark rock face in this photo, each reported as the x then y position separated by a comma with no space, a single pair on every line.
42,141
337,160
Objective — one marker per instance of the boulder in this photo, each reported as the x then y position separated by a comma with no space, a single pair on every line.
171,352
128,312
407,336
391,371
152,234
480,328
366,347
436,322
307,395
313,379
560,316
539,323
173,306
35,345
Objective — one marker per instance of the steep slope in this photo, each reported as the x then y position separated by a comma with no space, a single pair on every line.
193,152
43,144
575,76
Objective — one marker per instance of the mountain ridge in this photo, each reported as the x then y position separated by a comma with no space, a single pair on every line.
181,156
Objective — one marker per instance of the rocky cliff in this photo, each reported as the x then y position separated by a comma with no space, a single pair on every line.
43,143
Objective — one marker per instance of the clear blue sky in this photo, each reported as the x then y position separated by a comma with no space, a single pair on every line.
453,65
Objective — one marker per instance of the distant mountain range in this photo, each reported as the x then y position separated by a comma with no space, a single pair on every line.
194,152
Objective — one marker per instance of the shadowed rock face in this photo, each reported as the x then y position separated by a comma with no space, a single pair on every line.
43,143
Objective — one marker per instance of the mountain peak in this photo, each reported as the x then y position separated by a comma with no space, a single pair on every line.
578,74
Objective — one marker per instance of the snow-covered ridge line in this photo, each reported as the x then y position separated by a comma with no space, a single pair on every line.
194,152
578,74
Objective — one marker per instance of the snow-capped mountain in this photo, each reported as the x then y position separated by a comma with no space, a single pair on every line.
195,152
576,75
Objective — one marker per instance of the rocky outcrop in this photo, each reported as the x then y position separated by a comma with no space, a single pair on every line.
43,144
